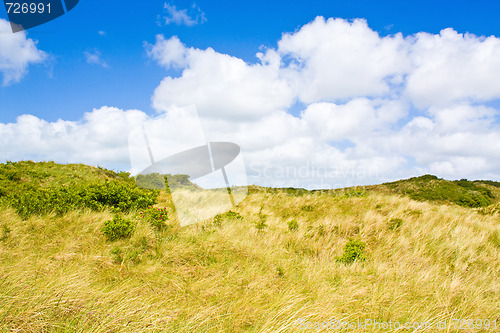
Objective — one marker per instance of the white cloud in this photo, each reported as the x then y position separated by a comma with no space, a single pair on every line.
464,118
95,58
354,120
358,89
335,59
447,140
182,16
218,84
98,138
359,124
452,67
168,52
101,33
16,53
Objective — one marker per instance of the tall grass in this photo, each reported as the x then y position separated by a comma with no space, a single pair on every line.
60,274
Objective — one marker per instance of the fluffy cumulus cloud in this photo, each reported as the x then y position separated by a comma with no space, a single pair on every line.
98,138
374,108
456,141
355,120
168,52
452,67
17,52
220,85
335,59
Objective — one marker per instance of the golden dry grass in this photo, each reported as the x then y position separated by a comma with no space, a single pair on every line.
59,274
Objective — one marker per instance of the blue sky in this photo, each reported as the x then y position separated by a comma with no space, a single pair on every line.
67,86
99,54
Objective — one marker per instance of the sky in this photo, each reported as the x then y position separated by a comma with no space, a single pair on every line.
317,94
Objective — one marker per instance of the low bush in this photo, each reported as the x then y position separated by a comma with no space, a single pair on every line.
395,223
117,228
4,232
166,182
34,200
494,238
261,223
156,217
153,181
489,182
354,193
293,225
117,254
227,216
307,208
320,230
469,195
232,215
353,251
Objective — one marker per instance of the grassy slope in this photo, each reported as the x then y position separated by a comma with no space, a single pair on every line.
52,174
58,274
461,192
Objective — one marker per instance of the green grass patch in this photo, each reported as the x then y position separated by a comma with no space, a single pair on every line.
353,251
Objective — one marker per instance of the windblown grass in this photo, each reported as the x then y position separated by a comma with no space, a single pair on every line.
59,274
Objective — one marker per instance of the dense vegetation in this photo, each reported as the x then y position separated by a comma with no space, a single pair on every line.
165,182
43,188
280,256
461,192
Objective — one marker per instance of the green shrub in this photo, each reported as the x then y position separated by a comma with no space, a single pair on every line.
232,215
124,196
154,181
33,200
494,238
156,217
179,181
117,255
5,232
395,223
261,223
293,225
353,251
135,255
118,228
355,193
218,220
46,187
307,208
227,216
489,182
321,230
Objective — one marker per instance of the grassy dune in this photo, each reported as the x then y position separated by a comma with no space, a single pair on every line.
425,261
